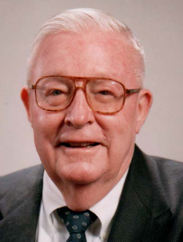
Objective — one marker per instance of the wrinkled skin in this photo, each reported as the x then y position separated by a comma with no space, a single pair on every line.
89,171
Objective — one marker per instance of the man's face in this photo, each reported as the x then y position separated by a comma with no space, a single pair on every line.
86,55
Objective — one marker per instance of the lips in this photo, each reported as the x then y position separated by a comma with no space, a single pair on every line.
79,144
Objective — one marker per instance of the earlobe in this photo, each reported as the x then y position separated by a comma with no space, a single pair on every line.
25,99
144,105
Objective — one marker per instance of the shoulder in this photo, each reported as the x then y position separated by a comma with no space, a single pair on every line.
170,174
20,198
22,181
169,171
162,168
164,177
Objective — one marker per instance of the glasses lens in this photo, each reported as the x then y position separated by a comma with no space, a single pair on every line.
54,93
105,96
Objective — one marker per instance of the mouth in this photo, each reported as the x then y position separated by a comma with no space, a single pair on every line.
79,144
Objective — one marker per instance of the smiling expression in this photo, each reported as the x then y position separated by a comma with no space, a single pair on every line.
77,145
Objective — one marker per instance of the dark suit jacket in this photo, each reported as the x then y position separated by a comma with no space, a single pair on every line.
150,208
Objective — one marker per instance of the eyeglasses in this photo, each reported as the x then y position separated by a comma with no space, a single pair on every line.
103,95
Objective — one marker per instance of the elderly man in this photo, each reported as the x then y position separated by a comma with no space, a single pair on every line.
85,102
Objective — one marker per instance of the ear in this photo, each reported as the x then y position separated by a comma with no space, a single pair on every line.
25,99
144,104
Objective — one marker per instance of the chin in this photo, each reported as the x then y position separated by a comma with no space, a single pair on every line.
81,173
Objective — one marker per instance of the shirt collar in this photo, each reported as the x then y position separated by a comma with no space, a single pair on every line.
106,208
53,199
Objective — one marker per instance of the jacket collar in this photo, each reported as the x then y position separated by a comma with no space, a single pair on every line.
143,207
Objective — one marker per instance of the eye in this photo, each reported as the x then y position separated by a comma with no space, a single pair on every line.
105,93
55,92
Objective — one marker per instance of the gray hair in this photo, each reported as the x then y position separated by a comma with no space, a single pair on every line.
83,20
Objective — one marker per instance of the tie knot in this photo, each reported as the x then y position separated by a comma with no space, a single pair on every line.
76,222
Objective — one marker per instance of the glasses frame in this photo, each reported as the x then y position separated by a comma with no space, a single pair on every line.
85,80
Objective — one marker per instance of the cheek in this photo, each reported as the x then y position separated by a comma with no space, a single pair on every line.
117,126
46,126
120,131
45,121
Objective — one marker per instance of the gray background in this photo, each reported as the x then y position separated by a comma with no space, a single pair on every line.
159,26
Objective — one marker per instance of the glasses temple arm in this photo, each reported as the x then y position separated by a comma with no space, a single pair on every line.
131,91
32,86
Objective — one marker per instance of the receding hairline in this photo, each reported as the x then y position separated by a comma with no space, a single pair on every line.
82,21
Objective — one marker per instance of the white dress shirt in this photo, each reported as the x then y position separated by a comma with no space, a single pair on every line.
50,227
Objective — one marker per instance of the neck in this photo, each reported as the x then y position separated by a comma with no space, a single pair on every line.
82,197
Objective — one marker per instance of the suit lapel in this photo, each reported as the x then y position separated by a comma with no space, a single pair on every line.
20,223
142,209
131,219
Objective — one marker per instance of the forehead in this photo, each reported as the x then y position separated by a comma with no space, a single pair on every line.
91,54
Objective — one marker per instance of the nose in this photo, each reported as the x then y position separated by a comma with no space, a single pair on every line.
79,113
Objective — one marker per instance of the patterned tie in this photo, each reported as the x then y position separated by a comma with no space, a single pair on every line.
76,223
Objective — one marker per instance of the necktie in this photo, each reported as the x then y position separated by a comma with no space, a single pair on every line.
76,223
